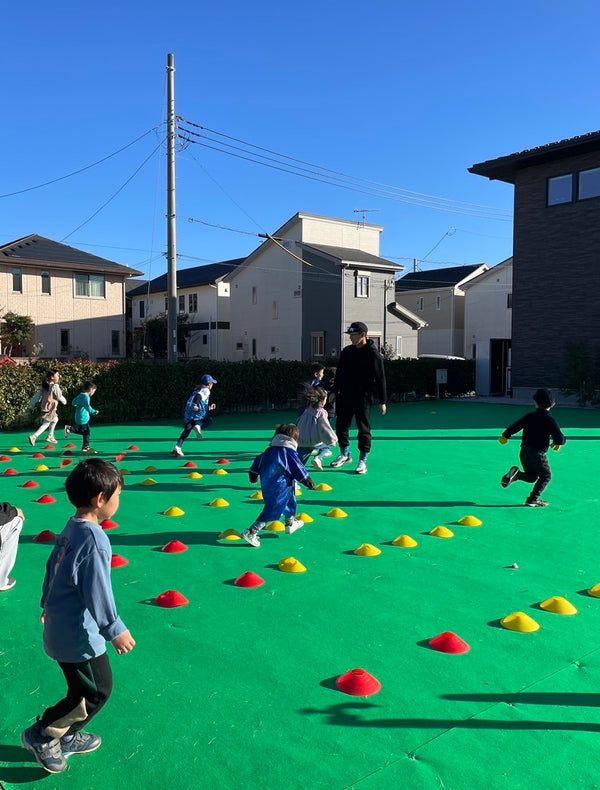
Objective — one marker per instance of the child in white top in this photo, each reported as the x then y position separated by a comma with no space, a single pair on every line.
49,395
315,430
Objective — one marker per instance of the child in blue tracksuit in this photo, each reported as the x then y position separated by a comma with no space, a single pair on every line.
278,469
83,412
196,412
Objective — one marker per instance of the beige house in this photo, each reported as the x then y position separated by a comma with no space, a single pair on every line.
76,300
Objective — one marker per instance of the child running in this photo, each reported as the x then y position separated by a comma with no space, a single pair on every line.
49,394
315,430
278,468
538,427
196,412
83,412
79,617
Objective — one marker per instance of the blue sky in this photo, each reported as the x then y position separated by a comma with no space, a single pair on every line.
407,93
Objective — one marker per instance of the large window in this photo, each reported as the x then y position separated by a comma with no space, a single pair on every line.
45,282
91,285
560,189
362,285
182,303
17,281
589,184
192,303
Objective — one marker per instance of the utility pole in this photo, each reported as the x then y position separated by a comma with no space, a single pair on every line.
171,216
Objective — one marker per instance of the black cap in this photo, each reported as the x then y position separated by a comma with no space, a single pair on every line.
357,326
543,398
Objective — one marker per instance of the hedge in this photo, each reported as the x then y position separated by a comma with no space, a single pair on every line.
135,391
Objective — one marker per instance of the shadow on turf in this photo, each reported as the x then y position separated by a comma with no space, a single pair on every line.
21,775
347,714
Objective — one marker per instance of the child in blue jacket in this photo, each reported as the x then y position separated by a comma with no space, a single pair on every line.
83,412
196,412
278,469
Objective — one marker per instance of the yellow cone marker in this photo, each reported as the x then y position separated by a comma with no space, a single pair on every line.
174,512
405,541
219,503
336,512
124,472
291,565
442,532
275,526
257,495
194,476
148,482
298,492
594,591
150,469
521,622
41,468
323,487
367,550
305,517
219,472
14,450
558,605
470,521
229,534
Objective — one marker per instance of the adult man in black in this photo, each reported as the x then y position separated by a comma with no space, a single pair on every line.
360,376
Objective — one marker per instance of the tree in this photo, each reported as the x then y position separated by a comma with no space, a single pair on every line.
580,377
15,331
154,334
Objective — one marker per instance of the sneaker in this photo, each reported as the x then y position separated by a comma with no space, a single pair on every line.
294,525
325,453
47,752
79,743
198,431
31,439
177,451
316,463
52,440
67,431
10,583
341,460
251,537
89,451
361,467
535,502
510,476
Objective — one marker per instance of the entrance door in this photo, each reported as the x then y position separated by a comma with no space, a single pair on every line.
499,366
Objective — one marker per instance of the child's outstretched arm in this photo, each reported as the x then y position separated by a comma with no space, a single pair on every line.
124,643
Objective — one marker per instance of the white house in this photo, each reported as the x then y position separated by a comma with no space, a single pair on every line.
488,326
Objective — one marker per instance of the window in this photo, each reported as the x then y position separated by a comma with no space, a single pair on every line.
589,184
317,344
509,301
65,344
192,303
142,309
17,284
420,303
254,295
560,189
438,302
181,302
362,286
115,342
91,285
275,310
166,304
398,346
204,340
45,282
239,346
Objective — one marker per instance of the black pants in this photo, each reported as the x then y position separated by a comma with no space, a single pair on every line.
360,410
189,425
91,680
84,432
536,469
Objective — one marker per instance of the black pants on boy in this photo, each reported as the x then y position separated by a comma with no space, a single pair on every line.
84,432
90,680
536,469
358,408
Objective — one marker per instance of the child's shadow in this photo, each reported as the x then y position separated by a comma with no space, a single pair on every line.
20,775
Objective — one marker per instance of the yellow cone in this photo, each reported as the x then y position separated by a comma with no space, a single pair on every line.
124,472
219,503
595,591
257,495
367,550
298,492
291,565
470,521
275,526
323,487
305,517
337,513
150,469
558,605
442,532
148,482
194,476
174,512
519,621
41,468
229,534
14,450
219,472
405,541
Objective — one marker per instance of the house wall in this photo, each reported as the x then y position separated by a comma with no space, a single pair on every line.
556,274
321,305
340,233
89,320
437,337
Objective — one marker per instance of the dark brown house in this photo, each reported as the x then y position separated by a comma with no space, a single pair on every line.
556,266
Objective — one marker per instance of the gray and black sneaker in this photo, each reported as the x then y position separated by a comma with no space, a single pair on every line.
67,431
510,476
46,750
535,502
341,460
79,743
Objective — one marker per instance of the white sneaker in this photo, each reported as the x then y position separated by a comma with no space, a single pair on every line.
177,450
341,460
316,463
251,537
198,431
361,468
52,440
325,453
31,439
293,526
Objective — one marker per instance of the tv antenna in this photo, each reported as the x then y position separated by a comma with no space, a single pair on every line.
364,212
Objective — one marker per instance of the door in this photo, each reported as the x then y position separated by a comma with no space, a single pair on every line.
499,367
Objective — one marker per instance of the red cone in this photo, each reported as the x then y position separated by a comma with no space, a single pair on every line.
133,448
190,465
170,599
46,499
249,579
10,472
108,524
30,484
69,446
66,462
174,547
49,447
67,452
223,461
38,455
119,457
4,458
449,643
45,537
358,683
117,561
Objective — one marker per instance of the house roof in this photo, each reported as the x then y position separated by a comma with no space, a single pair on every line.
406,315
38,251
493,270
437,278
349,255
505,167
190,278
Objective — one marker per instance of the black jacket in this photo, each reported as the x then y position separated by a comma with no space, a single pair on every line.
538,427
360,373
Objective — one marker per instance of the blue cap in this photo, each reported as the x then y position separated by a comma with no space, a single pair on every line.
206,379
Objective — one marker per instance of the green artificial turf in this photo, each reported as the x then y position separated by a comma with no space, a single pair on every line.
237,689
